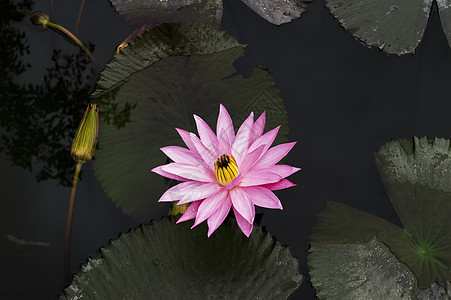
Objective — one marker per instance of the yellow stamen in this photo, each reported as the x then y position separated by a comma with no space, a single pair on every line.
226,169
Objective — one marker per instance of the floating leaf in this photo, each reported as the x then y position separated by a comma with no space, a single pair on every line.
444,8
154,12
435,292
423,161
277,11
165,260
160,42
342,227
393,26
165,73
417,177
359,271
339,223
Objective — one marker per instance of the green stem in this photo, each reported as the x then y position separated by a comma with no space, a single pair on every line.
70,214
73,38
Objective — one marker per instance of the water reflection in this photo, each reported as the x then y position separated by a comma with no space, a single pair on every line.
38,121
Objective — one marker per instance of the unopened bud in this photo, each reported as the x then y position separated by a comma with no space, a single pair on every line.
38,18
178,209
84,144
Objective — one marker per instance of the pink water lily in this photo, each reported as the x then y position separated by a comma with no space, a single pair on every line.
223,170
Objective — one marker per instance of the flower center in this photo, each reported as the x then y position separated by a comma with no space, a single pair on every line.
226,169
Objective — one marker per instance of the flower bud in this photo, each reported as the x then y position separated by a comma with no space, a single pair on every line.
38,18
178,209
84,144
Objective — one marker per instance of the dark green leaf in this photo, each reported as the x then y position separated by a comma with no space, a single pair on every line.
165,260
417,177
277,11
422,161
359,271
339,224
444,8
162,41
154,12
393,26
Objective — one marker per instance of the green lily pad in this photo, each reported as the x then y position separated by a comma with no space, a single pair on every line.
339,223
165,260
366,271
154,12
359,271
444,8
417,177
393,26
423,161
277,11
435,292
167,76
160,42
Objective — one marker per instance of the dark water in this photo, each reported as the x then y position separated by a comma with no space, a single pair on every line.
344,101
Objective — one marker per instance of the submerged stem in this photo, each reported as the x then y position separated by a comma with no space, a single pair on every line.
79,16
70,214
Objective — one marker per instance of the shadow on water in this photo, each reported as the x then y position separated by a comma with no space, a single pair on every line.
38,121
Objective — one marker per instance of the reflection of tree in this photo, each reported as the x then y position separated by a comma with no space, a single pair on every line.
38,122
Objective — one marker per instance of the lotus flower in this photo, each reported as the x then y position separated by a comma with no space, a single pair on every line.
223,170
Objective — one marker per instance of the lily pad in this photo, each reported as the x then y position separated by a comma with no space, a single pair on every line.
167,76
359,271
344,227
419,160
435,292
339,223
417,177
165,260
392,26
154,12
277,11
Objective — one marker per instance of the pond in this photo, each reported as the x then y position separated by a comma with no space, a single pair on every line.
339,100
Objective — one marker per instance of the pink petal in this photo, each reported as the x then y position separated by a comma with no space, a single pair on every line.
159,171
207,156
224,143
244,225
263,197
200,192
219,215
178,191
190,172
283,170
257,129
273,155
243,204
182,155
234,183
225,123
185,135
241,142
265,140
250,159
279,185
258,177
191,212
207,136
209,206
